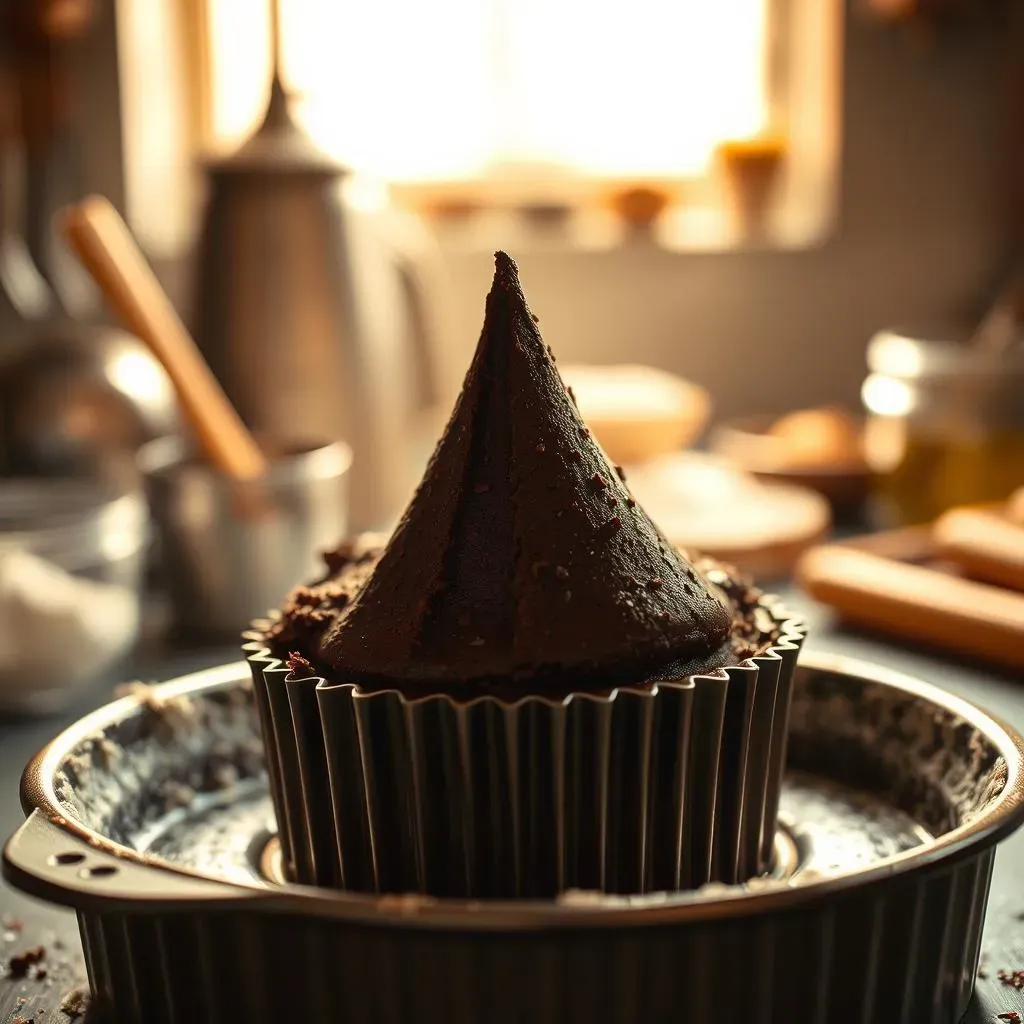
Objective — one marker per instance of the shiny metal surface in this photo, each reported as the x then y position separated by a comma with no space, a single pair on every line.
211,713
227,559
77,394
313,311
894,936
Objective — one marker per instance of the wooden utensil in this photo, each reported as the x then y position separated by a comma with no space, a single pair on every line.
985,543
101,239
916,602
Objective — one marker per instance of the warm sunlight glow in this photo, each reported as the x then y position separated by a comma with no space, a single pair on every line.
454,88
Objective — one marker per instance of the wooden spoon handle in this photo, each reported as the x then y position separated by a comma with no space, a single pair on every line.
101,239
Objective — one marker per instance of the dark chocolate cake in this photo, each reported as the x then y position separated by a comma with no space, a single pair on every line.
526,688
522,566
309,613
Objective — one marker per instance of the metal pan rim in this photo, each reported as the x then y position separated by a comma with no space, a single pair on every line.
1005,814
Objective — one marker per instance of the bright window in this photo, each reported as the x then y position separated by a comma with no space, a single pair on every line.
462,89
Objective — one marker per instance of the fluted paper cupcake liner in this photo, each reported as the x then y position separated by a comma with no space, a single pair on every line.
661,788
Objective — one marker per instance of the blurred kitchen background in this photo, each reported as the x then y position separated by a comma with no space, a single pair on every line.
775,245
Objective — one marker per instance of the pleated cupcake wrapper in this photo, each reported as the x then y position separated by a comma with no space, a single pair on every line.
641,790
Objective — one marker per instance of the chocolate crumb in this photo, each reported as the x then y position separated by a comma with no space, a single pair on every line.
168,718
1011,1015
631,502
561,572
575,456
297,664
177,794
541,449
39,973
481,488
610,528
550,352
982,972
599,481
611,502
655,583
1013,979
75,1003
584,432
535,318
19,964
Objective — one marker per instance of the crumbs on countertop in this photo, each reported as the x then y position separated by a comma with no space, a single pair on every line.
76,1002
20,963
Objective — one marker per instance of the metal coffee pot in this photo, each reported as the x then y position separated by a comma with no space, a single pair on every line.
315,313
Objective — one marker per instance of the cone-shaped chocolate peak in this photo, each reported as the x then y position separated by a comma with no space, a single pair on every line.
522,558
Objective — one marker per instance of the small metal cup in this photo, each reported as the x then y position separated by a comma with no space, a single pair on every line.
230,550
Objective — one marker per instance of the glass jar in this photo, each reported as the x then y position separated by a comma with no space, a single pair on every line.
945,423
72,554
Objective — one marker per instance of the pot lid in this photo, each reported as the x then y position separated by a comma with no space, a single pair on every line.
280,145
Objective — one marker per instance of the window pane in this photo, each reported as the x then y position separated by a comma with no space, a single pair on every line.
643,87
415,91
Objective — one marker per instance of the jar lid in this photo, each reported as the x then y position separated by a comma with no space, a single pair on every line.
943,351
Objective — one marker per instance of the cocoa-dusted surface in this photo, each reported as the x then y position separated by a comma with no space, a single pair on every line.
522,562
310,612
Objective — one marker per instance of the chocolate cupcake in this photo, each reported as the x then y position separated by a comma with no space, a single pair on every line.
526,689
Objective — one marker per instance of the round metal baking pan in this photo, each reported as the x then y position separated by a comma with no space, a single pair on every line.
151,818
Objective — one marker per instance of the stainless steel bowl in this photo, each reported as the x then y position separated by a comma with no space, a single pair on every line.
226,559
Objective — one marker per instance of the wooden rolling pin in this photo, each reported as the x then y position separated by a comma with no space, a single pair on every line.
985,544
916,603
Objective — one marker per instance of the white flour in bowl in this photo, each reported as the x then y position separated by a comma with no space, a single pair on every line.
56,629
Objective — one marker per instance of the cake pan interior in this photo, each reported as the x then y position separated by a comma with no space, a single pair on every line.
152,818
172,777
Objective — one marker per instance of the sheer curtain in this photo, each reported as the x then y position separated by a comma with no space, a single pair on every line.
415,91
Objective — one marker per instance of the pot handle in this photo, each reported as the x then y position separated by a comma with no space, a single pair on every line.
420,268
46,860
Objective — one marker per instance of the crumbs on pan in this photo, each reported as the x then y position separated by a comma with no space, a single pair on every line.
170,716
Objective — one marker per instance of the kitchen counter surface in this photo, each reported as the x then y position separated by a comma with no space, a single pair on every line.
27,923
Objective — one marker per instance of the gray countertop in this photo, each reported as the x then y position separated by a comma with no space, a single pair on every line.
35,923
